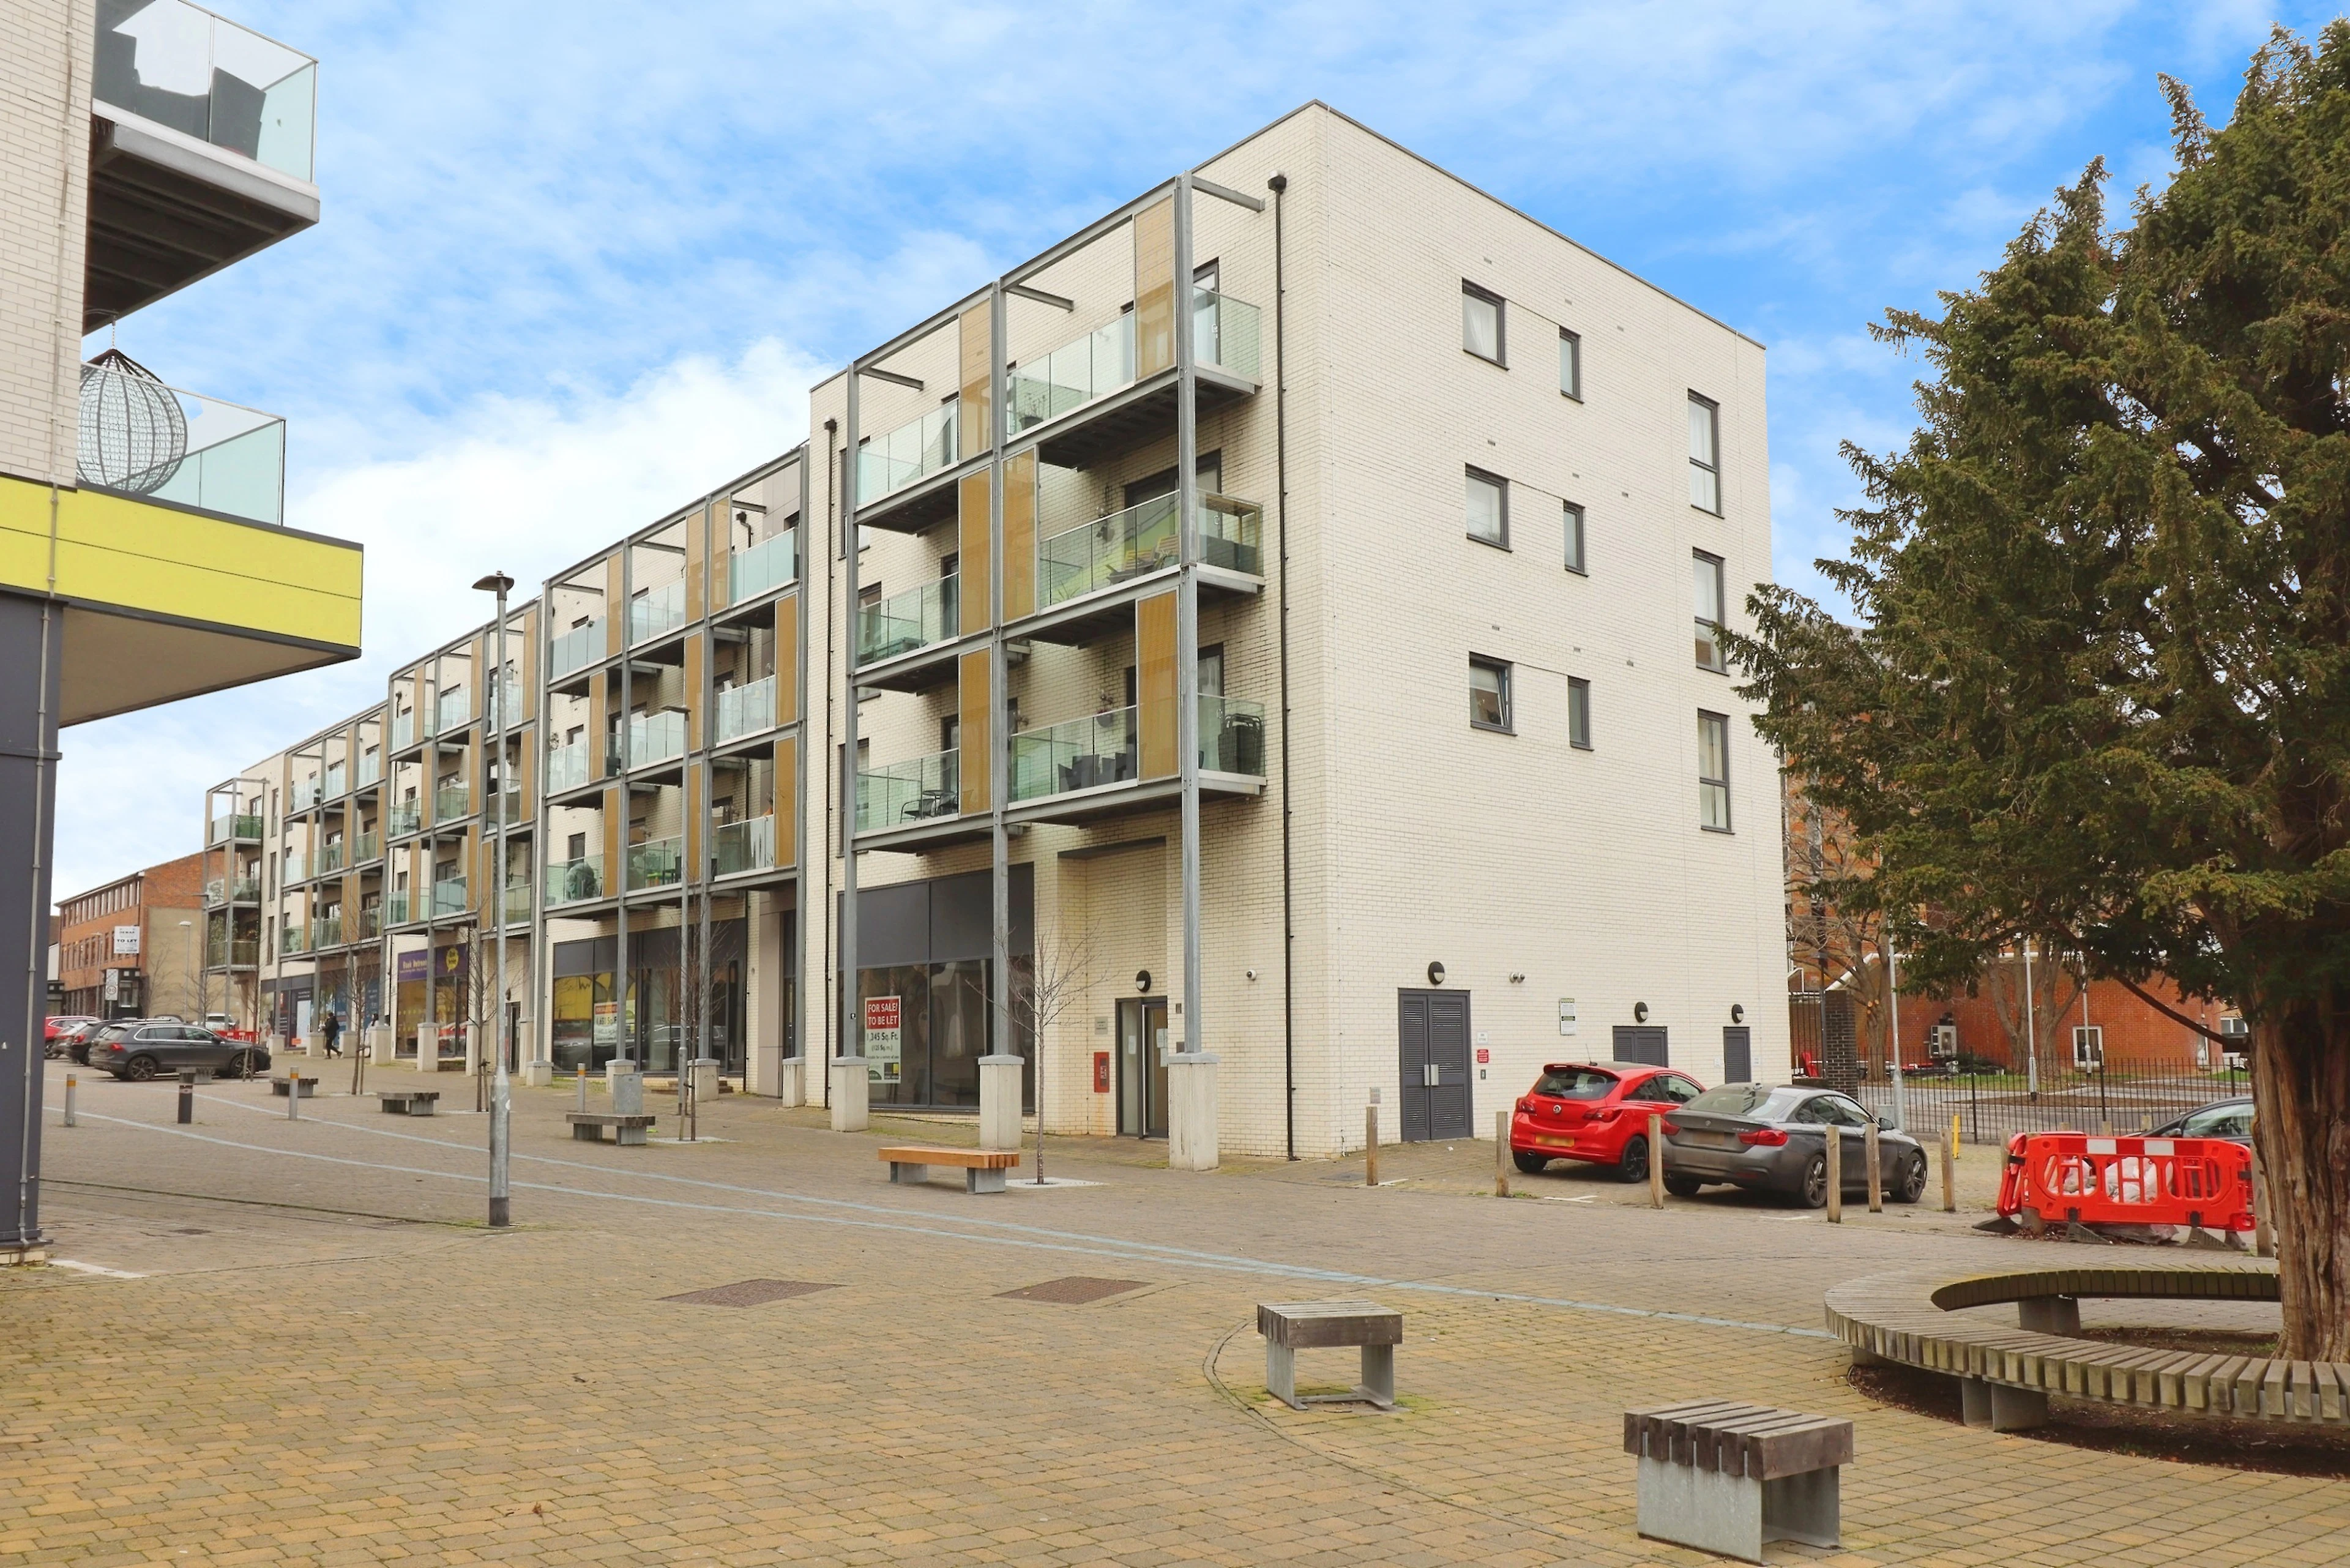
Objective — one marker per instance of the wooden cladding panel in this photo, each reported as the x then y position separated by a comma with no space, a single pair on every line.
475,861
697,562
598,724
527,770
697,819
1154,288
787,659
978,742
350,902
1020,536
526,663
972,538
978,357
616,835
1154,682
696,657
786,794
616,602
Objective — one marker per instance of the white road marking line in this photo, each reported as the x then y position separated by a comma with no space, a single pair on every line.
80,1268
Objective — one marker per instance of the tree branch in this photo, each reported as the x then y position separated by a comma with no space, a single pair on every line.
2175,1016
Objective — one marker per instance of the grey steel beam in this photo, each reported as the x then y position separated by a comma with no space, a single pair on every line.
1187,607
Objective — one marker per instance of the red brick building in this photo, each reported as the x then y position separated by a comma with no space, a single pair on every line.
141,931
2119,1024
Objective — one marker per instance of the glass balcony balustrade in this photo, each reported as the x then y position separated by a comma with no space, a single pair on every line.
451,802
915,618
744,846
244,825
335,788
292,939
1225,333
656,612
658,863
574,881
908,792
243,954
449,898
1077,753
1071,376
232,889
397,907
403,729
326,931
921,447
746,710
403,817
451,708
140,436
297,868
765,566
576,648
371,769
182,67
326,859
517,904
366,848
655,737
367,924
1232,735
1143,539
566,766
305,795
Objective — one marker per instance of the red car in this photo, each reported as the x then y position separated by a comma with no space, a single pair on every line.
59,1022
1596,1111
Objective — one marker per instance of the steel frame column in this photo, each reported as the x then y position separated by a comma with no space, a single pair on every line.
852,1034
1187,606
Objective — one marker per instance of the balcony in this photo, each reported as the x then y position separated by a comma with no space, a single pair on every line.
449,898
657,864
403,817
1225,333
746,710
1232,736
142,438
451,803
916,618
292,939
366,848
297,868
366,925
451,710
912,452
326,931
1144,539
517,909
334,788
205,77
909,791
764,567
241,954
232,889
396,908
327,860
655,612
370,769
574,881
1070,376
305,795
742,847
566,767
245,828
1088,404
655,737
1104,749
575,649
403,729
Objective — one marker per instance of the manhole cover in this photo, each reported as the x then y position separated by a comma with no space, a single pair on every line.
750,1293
1075,1290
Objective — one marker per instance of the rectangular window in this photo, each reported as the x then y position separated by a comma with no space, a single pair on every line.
1480,323
1713,772
1578,713
1574,538
1489,694
1705,454
1570,364
1489,508
1707,570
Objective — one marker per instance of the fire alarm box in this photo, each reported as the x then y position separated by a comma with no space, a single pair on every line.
1101,1071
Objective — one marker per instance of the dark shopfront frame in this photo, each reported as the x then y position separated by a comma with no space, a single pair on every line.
928,943
583,982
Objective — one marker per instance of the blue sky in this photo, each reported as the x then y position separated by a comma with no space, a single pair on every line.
579,263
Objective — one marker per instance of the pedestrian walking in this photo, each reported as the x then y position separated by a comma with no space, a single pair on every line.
330,1031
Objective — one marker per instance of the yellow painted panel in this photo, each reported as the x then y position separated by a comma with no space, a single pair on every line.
696,774
616,602
787,659
1020,536
788,800
598,724
1154,288
616,827
1154,682
978,355
972,537
977,743
697,558
694,651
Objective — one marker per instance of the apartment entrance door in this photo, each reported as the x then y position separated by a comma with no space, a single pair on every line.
1142,1066
1432,1030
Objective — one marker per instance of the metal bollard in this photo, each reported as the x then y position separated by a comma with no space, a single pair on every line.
69,1101
1834,1137
1371,1144
1500,1154
1875,1170
187,1099
583,1091
294,1096
1951,1167
1655,1160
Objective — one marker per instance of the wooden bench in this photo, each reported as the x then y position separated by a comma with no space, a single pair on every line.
982,1168
588,1126
408,1102
1725,1477
279,1086
2005,1375
1291,1326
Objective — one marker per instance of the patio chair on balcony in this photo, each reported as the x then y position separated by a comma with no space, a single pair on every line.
933,802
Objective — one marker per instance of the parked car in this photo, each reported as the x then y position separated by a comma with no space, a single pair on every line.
60,1033
1596,1111
2230,1118
138,1050
1773,1138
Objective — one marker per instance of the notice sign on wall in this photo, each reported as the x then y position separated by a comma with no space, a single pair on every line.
126,941
884,1038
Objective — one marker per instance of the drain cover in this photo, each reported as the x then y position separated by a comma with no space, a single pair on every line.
1075,1290
751,1292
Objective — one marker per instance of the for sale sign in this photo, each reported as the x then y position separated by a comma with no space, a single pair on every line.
884,1036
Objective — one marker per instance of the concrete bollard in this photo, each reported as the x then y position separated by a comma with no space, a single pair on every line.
1500,1154
187,1099
1951,1167
294,1096
1655,1160
69,1101
1873,1153
1833,1138
583,1090
627,1092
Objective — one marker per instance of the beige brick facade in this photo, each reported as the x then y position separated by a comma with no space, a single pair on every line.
44,62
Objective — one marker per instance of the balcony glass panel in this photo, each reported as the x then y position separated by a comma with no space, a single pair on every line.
292,938
905,621
1141,540
908,792
403,817
745,710
396,908
305,797
655,612
232,889
1071,376
574,881
1232,735
370,769
366,925
327,860
1077,753
449,898
451,802
297,868
764,566
403,729
655,737
566,766
142,438
517,904
451,708
575,648
183,66
367,847
1225,333
326,932
656,864
244,954
744,846
244,825
333,785
895,461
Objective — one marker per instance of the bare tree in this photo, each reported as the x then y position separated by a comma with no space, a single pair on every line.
1060,975
2056,986
1842,947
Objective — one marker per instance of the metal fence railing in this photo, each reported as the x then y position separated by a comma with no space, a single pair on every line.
1995,1104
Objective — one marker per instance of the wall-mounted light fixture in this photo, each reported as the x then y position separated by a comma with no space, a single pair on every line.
1436,974
1737,1014
1517,979
1142,980
1639,1013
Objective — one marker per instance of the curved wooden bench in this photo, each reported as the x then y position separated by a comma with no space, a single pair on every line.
2005,1375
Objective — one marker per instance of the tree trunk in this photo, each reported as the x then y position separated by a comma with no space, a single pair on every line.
2301,1097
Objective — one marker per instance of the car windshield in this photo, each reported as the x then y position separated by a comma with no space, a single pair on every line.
2228,1120
111,1032
1575,1083
1757,1100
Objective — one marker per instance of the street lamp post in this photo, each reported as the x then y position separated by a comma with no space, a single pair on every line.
494,729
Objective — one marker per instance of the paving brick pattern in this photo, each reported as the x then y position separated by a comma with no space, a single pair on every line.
346,1368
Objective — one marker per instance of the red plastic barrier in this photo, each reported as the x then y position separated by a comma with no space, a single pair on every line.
2205,1181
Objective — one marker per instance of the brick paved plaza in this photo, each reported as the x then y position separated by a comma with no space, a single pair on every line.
309,1350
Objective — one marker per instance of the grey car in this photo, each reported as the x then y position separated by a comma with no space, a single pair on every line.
1774,1139
138,1049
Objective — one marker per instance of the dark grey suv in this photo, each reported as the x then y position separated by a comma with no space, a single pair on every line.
135,1049
1759,1136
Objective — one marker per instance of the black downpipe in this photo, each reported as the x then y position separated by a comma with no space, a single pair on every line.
1279,184
831,1007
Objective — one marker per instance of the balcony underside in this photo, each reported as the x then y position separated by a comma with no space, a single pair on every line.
166,209
1133,796
1110,611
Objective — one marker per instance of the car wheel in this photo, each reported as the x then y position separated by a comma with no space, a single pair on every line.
1531,1164
139,1068
1683,1185
237,1067
1632,1165
1811,1192
1910,1181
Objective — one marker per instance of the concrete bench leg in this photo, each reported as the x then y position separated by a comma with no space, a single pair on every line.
2001,1407
1281,1374
1704,1509
2049,1315
977,1180
906,1175
586,1132
1806,1508
632,1135
1378,1375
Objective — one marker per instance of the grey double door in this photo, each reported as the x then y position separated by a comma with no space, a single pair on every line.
1432,1030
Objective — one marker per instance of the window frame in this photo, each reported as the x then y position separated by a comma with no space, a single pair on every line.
1721,665
1501,354
1471,471
1570,363
1578,713
1500,669
1713,440
1707,716
1571,515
